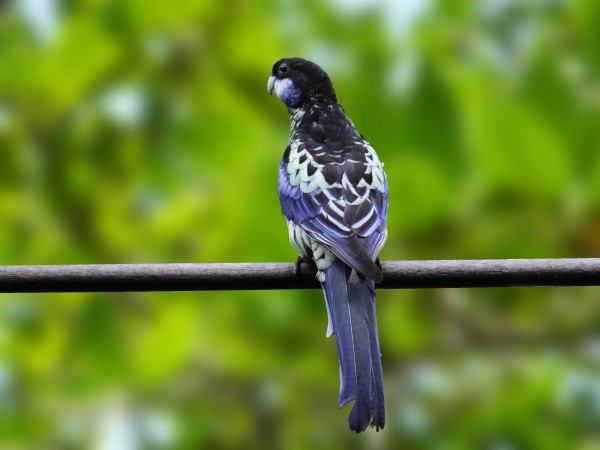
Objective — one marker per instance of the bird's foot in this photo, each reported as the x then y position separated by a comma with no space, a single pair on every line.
378,263
305,267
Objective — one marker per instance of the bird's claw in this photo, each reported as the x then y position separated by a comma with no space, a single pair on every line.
378,263
305,266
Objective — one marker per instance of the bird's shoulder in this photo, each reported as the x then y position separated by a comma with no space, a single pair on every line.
335,164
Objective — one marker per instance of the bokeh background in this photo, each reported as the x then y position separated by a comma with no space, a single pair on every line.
141,131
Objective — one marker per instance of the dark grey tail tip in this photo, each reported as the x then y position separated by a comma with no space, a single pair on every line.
358,430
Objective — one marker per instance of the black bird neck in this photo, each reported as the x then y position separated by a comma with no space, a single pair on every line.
322,122
315,112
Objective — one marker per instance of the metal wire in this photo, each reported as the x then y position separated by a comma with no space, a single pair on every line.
252,276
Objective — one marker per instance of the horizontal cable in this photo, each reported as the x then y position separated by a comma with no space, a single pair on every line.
250,276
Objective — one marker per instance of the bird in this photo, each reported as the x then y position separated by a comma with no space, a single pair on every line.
334,195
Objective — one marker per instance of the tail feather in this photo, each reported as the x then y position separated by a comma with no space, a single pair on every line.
351,308
336,297
378,409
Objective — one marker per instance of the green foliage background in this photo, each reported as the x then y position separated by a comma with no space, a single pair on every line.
140,131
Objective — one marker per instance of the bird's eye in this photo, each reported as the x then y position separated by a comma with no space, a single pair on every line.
283,69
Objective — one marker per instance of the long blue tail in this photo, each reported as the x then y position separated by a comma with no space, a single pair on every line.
351,308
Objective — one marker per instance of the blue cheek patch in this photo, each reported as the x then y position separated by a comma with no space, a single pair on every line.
287,91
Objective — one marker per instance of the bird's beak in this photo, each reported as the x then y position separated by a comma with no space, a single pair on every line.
271,84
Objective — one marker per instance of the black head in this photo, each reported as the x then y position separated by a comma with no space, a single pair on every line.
297,82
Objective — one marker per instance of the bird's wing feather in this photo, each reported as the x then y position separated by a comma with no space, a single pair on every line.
338,199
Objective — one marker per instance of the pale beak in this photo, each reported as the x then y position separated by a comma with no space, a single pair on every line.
271,84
